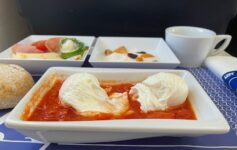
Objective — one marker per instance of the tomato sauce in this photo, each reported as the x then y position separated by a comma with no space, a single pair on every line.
51,109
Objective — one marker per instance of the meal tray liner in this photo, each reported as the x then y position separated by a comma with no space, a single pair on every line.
224,98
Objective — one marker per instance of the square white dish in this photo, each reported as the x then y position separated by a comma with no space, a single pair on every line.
36,66
155,46
209,118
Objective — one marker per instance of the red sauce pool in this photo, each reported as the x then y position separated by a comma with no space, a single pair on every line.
50,108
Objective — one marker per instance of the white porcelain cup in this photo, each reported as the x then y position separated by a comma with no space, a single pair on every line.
193,44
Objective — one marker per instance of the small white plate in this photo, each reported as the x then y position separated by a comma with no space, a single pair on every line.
155,46
209,118
37,66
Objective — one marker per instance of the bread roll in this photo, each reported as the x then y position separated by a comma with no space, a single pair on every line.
15,82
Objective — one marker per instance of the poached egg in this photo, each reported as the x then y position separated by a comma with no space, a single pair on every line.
83,92
160,91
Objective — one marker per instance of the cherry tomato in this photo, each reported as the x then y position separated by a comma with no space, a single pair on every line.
40,45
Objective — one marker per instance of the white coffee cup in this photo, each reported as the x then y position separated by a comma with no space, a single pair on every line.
193,44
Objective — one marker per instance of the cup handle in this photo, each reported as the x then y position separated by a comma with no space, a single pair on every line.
219,38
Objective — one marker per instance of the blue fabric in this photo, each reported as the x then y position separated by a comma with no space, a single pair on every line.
19,146
224,98
4,111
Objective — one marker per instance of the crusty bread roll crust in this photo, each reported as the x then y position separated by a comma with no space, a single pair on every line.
15,82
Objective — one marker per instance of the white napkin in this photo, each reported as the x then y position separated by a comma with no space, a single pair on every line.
225,67
221,64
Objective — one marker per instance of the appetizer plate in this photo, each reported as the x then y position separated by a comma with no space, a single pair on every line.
155,46
209,118
38,66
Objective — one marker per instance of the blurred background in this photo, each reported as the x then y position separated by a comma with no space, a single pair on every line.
146,18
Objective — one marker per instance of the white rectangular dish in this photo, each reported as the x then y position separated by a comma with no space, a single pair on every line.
37,66
155,46
209,118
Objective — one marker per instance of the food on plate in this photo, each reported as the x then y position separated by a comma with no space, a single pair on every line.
53,44
160,91
24,48
71,47
50,55
82,96
40,45
52,48
117,57
83,92
121,50
15,82
122,54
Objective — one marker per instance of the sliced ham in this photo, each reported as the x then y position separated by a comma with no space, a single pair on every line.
24,48
52,44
